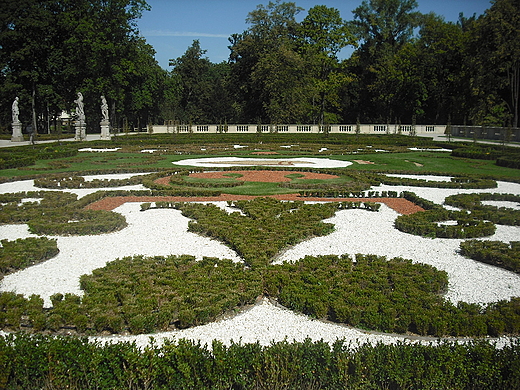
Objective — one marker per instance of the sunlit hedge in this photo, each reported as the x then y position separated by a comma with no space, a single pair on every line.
500,215
36,362
57,213
22,253
437,221
497,253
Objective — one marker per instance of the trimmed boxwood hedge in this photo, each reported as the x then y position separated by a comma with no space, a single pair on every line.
35,362
265,226
499,215
429,224
58,213
22,253
146,294
496,253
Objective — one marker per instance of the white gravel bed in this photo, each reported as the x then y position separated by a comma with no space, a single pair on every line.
159,232
360,231
437,195
423,177
502,203
164,232
264,323
99,150
114,176
303,162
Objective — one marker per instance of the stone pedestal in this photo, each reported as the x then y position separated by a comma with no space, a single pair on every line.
17,132
81,133
105,129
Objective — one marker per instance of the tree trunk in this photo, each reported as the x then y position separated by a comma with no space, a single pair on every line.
33,105
514,79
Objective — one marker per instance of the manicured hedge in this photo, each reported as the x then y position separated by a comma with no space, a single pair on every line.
430,224
509,161
146,294
266,226
36,362
22,157
74,181
505,157
455,182
497,253
499,215
58,213
22,253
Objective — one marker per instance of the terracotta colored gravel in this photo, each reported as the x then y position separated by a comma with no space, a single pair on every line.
400,205
265,176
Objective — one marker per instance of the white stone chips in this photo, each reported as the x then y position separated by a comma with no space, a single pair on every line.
164,232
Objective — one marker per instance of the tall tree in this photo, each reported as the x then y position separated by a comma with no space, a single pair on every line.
202,87
53,48
272,27
382,28
324,34
498,43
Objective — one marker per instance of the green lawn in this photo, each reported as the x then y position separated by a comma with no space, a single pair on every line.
172,149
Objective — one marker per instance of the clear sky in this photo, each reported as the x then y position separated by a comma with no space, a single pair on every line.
172,25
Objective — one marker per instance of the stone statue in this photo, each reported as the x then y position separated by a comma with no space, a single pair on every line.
79,109
104,108
16,111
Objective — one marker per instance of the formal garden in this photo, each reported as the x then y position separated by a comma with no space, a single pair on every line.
112,252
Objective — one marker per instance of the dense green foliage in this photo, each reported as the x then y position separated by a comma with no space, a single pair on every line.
263,227
57,213
336,288
22,157
436,221
35,362
52,49
496,253
406,67
442,223
22,253
146,294
473,202
505,157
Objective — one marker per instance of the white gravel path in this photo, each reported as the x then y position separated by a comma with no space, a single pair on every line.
159,232
301,162
164,232
360,231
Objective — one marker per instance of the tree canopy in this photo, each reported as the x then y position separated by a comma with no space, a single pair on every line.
405,66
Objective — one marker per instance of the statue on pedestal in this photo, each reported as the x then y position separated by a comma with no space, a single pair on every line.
80,122
105,122
79,107
16,111
104,108
17,125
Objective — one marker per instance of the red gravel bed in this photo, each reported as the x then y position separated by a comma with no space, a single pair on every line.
400,205
263,176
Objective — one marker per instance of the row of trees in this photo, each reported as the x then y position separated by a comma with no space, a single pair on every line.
406,66
51,49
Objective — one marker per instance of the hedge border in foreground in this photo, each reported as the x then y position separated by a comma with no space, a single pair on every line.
35,362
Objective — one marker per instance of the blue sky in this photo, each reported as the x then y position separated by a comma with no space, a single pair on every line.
172,25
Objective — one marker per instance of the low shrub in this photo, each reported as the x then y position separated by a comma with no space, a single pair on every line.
499,215
430,224
496,253
265,226
59,213
22,253
35,362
